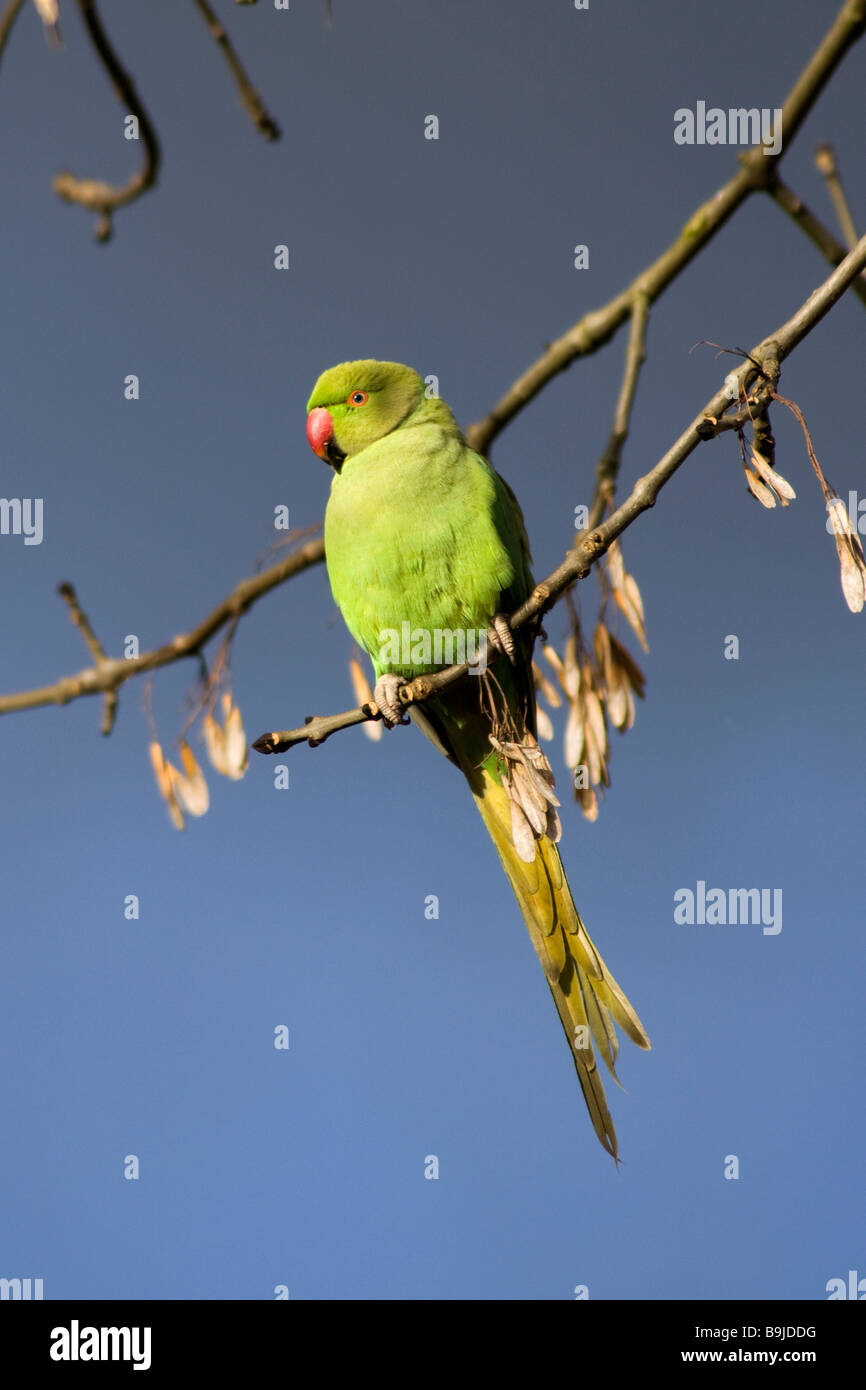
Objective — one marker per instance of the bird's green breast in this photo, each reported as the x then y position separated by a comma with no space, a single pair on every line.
414,535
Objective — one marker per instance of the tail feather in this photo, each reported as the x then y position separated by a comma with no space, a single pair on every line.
587,997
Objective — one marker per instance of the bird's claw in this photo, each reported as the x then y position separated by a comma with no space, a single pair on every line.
500,637
387,700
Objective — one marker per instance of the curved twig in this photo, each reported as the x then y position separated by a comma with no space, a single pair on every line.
10,14
96,194
248,94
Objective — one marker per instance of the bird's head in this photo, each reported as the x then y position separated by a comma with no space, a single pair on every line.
357,403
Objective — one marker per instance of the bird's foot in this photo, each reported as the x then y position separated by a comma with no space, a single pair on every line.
500,637
387,700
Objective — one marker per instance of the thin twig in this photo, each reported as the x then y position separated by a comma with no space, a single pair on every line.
111,673
96,194
248,94
94,646
10,14
815,230
591,545
825,159
82,622
608,465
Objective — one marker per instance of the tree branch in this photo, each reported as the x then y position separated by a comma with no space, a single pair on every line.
825,159
592,544
96,194
96,649
109,673
10,14
248,94
608,465
815,230
596,327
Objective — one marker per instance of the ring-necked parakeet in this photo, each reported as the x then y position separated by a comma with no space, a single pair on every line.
420,530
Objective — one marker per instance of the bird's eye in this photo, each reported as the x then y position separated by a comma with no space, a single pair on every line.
358,398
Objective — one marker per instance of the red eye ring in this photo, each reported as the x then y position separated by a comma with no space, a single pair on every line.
357,398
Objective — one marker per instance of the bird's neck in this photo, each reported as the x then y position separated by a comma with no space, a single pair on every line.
432,411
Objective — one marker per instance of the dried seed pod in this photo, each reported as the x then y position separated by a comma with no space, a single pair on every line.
851,562
163,771
595,720
619,702
527,779
237,756
588,802
543,722
629,602
633,594
547,688
601,650
226,746
764,494
592,754
615,564
364,696
553,657
575,737
521,834
554,825
534,805
774,480
572,667
190,786
630,668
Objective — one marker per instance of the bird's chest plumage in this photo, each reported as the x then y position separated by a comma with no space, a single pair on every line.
410,537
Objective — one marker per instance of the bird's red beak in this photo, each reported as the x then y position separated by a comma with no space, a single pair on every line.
320,431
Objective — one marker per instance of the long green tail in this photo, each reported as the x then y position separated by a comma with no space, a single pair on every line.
586,995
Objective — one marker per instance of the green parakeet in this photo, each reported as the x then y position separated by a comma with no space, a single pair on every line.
423,539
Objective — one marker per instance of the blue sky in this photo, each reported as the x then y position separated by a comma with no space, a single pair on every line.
305,907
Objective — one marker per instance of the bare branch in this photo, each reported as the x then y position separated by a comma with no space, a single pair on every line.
596,327
95,647
248,94
95,194
10,14
832,249
592,544
608,465
109,673
825,159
